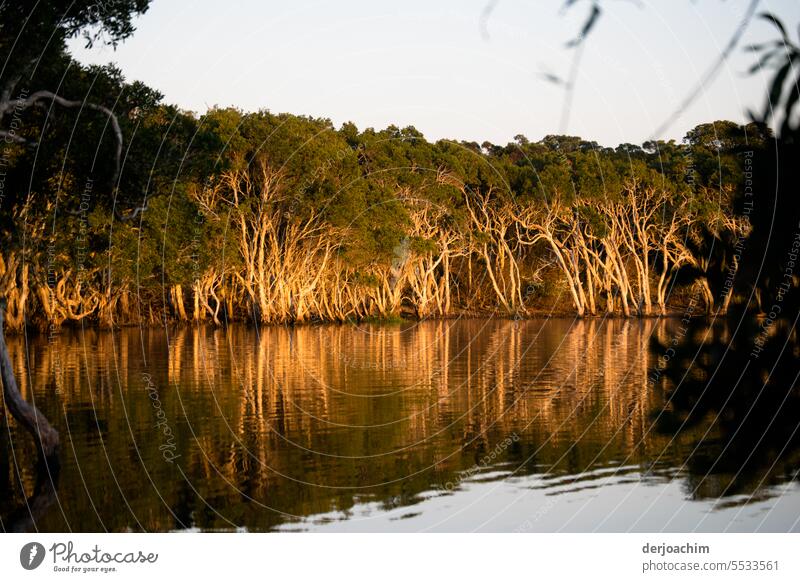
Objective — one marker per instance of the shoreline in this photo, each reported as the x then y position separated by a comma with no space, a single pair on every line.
537,315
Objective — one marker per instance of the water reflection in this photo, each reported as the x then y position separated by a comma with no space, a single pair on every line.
454,425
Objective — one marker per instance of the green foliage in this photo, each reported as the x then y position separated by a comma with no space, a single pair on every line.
147,221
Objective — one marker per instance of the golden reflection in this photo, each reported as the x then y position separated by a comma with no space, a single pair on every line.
292,421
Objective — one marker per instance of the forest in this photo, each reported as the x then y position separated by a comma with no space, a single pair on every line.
279,218
118,208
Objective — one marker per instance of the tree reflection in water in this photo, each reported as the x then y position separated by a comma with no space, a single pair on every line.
284,424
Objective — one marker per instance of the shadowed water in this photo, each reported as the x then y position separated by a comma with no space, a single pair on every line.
460,425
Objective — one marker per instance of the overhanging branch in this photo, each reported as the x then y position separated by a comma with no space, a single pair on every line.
38,97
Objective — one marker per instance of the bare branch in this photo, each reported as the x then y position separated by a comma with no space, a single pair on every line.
38,96
26,414
711,73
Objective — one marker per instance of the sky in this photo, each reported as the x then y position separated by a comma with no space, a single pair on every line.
448,68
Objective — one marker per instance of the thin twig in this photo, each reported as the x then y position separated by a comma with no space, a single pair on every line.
569,87
711,73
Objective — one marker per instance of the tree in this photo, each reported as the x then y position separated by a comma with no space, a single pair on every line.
745,374
33,50
32,47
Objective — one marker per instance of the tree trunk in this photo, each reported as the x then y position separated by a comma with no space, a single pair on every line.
177,302
708,296
26,414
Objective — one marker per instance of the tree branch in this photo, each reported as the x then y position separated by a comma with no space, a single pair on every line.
38,96
26,414
711,73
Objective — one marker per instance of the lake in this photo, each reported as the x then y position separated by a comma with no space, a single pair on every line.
454,425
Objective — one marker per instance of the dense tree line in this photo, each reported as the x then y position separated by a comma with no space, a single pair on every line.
119,208
116,208
282,218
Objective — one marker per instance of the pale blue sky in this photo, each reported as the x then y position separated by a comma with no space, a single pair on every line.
427,64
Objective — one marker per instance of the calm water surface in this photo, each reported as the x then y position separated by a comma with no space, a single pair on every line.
489,425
